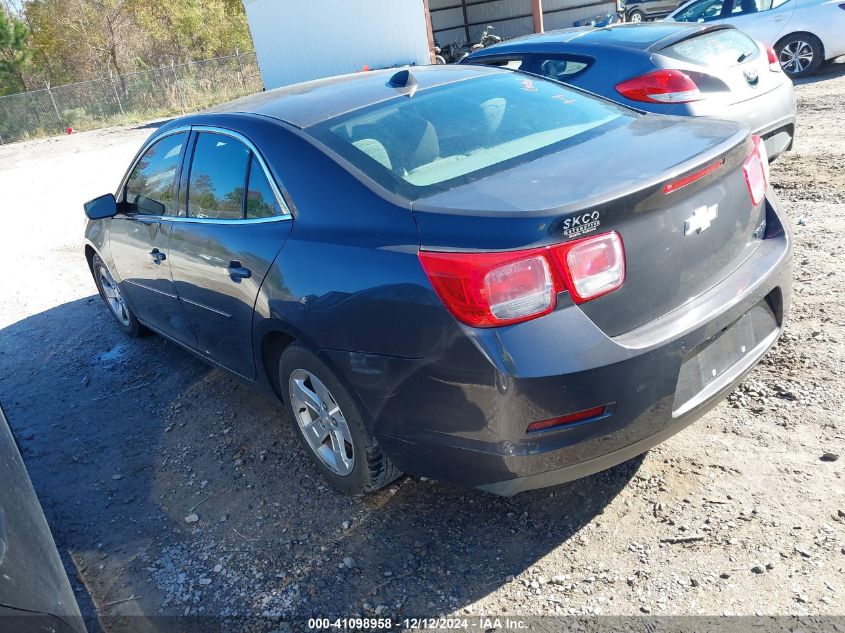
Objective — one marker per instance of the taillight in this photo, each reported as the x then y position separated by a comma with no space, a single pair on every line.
756,170
503,288
660,86
680,183
592,266
774,64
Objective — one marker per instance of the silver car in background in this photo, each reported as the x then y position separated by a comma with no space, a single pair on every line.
803,33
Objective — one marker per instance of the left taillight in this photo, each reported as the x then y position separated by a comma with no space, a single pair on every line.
756,170
660,86
503,288
774,64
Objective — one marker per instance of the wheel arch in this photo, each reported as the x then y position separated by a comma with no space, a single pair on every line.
90,251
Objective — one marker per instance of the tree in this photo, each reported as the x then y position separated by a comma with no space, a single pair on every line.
75,40
14,53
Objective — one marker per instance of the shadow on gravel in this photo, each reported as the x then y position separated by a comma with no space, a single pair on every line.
125,438
828,70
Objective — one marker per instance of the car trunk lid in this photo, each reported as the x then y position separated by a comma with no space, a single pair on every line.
615,182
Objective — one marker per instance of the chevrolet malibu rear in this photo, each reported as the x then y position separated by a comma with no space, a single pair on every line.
501,281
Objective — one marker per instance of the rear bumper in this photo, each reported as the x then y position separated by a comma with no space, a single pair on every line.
461,414
771,115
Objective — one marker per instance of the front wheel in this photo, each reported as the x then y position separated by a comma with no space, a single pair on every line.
112,296
329,424
636,16
799,55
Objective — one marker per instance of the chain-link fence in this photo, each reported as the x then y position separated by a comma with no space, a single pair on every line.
174,89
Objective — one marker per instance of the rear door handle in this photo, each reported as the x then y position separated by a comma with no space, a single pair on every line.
157,256
237,271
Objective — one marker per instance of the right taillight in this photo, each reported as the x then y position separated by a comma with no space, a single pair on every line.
756,170
660,86
774,64
507,287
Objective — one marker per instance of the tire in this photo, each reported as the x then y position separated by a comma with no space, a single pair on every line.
349,459
636,16
111,295
799,54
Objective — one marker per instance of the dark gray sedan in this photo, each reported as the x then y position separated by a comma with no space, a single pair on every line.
666,68
458,272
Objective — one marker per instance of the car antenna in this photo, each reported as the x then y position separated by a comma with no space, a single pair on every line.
404,80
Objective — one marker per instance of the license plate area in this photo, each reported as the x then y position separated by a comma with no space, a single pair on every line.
720,360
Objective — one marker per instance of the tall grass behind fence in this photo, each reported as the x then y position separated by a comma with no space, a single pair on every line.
174,89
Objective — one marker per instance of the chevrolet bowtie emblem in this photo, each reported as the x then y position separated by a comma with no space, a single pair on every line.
701,219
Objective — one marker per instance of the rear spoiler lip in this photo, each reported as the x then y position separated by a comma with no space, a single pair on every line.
731,144
686,34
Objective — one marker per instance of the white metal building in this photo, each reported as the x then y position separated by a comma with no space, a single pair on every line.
298,40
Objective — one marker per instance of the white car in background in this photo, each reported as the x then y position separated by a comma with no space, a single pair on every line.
803,33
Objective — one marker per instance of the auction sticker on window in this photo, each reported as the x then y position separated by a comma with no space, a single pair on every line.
581,224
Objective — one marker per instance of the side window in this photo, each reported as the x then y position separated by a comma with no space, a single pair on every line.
150,187
218,173
260,200
702,11
559,69
746,7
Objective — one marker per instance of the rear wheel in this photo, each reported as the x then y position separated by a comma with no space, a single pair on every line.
636,16
112,296
329,424
799,54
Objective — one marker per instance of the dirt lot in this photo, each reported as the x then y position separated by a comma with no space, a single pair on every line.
124,439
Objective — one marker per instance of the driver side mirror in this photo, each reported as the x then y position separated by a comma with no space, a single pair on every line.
102,207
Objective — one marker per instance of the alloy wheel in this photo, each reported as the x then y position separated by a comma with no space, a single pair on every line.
636,17
796,56
321,421
114,298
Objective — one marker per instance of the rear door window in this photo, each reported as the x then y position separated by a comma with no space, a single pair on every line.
722,49
261,201
701,11
746,7
218,173
150,188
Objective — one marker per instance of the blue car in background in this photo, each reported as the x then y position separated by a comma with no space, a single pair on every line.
666,68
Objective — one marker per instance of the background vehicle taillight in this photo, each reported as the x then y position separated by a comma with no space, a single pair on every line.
774,64
503,288
756,170
660,86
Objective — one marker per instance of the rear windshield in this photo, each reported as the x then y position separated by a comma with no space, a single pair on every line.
442,137
720,49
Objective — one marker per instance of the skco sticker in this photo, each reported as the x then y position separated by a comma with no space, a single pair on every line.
581,224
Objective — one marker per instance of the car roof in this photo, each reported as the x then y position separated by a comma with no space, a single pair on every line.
642,36
306,104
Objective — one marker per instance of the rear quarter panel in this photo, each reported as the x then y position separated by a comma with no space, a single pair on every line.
348,277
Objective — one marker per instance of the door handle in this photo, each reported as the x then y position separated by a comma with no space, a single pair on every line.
157,256
237,271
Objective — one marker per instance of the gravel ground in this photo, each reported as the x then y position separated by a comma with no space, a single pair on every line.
172,489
